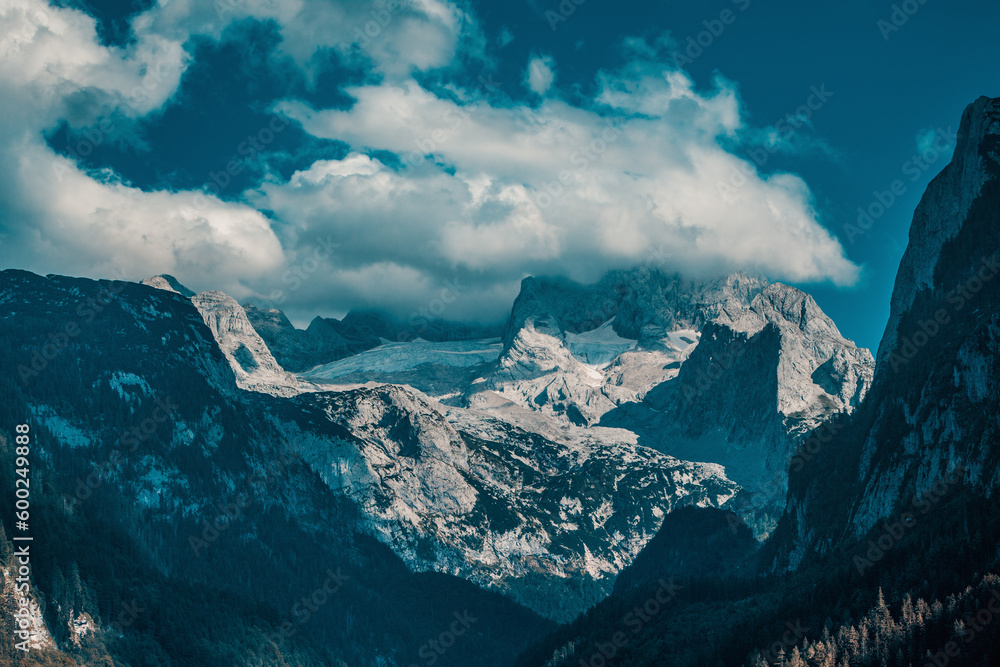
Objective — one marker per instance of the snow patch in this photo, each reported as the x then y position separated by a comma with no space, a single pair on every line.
402,356
598,347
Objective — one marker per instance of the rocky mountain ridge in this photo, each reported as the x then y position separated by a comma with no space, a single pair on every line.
733,371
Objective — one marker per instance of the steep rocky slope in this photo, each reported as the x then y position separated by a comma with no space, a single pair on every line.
253,365
931,423
249,357
549,522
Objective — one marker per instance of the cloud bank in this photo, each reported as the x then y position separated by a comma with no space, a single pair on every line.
442,183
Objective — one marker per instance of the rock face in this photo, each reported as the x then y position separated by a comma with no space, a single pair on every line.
251,360
548,522
298,349
944,210
933,408
249,357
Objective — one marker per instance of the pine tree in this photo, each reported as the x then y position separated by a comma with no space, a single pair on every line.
820,653
908,616
829,658
952,605
884,629
864,639
61,604
795,658
848,642
74,588
923,612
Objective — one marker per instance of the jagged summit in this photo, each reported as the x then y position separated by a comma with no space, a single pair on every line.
251,360
643,302
732,371
253,364
168,283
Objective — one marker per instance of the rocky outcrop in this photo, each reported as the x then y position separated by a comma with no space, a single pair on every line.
251,360
169,284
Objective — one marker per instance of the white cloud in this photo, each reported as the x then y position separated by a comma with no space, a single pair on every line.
505,37
540,74
498,192
59,218
925,139
396,36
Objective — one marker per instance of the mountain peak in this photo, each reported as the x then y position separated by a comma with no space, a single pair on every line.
944,208
168,283
254,366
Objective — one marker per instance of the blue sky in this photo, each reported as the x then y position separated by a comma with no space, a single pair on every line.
278,152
